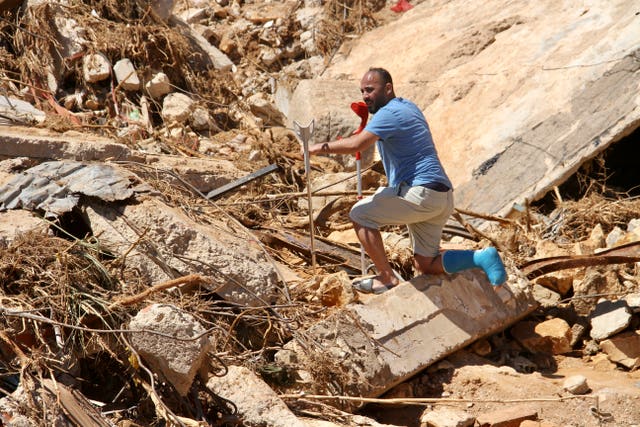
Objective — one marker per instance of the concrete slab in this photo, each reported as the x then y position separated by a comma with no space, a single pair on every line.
162,243
373,346
205,174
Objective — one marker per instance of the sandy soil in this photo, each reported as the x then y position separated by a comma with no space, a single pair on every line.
483,387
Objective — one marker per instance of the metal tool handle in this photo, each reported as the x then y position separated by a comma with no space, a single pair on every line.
305,133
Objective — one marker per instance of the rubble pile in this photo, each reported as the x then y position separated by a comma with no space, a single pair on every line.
155,266
145,70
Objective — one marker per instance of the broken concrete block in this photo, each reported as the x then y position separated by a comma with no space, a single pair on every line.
576,384
510,417
158,86
177,359
623,349
369,348
215,57
193,14
609,318
126,75
42,145
95,67
264,109
176,108
203,174
257,403
166,243
16,222
446,417
19,111
551,336
633,302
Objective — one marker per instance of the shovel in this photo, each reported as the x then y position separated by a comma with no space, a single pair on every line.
305,133
360,108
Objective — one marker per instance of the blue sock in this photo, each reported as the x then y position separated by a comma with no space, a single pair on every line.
488,259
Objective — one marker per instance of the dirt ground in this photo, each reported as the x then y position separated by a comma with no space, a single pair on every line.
483,387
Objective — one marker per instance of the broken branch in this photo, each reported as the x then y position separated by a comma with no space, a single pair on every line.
192,279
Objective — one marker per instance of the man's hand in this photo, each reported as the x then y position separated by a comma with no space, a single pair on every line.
319,148
350,145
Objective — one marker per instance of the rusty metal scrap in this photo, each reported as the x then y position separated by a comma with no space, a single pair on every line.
624,254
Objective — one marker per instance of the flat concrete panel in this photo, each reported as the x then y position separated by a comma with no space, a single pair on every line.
388,338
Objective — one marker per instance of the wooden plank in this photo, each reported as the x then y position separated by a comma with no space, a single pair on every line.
327,252
75,406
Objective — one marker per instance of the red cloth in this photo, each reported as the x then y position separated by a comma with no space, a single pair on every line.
360,108
401,6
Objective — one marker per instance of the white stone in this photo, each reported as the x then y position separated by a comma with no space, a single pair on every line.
178,360
126,75
158,86
609,318
633,301
446,417
95,67
193,14
73,35
576,384
613,236
176,107
201,119
633,224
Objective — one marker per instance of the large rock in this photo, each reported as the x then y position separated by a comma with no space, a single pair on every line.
509,84
162,242
177,359
257,402
609,318
369,348
623,349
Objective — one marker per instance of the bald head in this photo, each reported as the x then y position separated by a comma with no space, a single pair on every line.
376,87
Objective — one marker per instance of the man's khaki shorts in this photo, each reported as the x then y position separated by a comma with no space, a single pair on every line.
422,210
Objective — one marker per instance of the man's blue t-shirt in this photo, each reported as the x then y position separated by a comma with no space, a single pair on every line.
405,145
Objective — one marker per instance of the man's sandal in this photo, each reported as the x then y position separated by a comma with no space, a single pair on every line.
366,286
